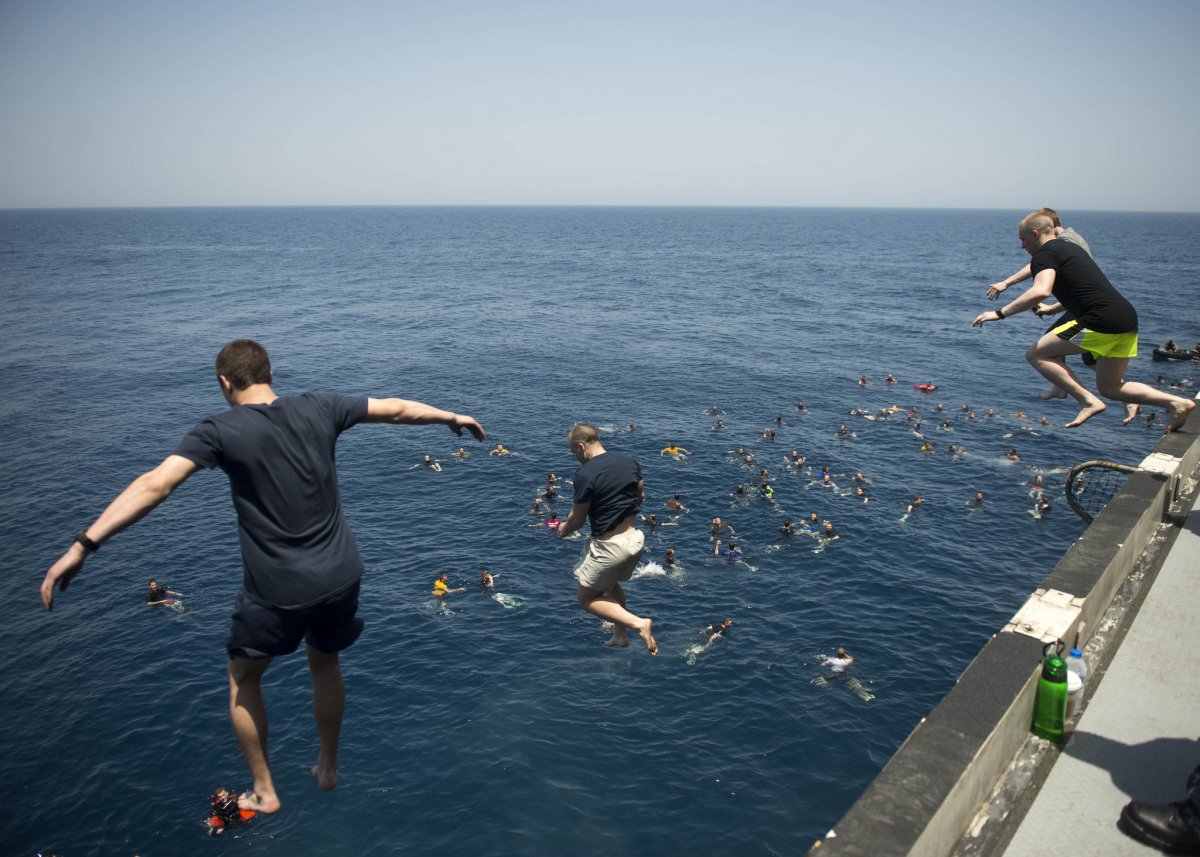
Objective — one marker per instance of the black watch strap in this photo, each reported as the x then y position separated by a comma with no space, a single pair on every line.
88,545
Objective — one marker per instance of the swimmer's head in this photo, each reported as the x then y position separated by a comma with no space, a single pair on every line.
841,653
726,622
153,582
443,576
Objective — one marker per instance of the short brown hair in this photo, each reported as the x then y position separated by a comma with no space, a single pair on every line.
244,362
1052,214
584,433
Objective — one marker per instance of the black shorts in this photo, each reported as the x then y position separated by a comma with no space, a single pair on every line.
261,630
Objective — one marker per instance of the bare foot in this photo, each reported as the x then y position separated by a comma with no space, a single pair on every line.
1131,412
1054,393
1087,412
615,642
1180,410
265,803
646,632
326,777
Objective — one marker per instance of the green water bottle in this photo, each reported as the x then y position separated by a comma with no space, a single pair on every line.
1050,710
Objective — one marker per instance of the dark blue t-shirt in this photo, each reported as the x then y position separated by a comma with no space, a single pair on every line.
296,546
610,483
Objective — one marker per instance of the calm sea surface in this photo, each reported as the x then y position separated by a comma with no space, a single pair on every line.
502,726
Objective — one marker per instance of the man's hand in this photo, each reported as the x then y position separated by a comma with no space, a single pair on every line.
462,421
62,573
990,315
995,289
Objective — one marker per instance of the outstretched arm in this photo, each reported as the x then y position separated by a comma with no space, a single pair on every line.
1043,285
995,289
131,505
405,412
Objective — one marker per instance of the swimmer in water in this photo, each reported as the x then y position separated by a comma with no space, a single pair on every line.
861,494
441,587
732,553
814,519
914,505
801,407
499,449
225,812
674,450
1042,505
953,450
551,478
669,558
553,522
714,410
431,464
740,490
927,447
551,493
828,532
1012,454
842,430
862,381
977,502
676,504
786,530
719,526
717,629
461,452
719,424
838,666
1038,482
768,434
889,379
487,580
156,594
536,509
651,521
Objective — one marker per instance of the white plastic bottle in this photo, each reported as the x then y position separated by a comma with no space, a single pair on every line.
1077,675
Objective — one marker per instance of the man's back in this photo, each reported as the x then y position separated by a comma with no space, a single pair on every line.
279,457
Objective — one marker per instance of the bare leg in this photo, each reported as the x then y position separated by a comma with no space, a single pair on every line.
1110,378
248,713
610,606
1054,392
1048,356
329,702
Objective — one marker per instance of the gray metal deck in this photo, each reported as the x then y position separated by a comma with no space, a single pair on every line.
1139,736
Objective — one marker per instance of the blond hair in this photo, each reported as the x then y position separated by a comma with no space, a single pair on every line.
1036,220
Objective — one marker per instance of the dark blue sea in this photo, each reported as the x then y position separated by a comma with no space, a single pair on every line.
502,726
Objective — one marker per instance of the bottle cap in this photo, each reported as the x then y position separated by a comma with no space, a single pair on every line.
1054,668
1076,653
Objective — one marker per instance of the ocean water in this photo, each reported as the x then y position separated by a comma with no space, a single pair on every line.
502,726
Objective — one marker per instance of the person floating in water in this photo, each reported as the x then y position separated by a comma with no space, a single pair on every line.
461,452
669,558
717,630
487,580
499,449
156,594
441,586
536,508
225,812
719,526
553,522
916,503
927,447
889,378
431,464
278,452
674,450
977,502
676,504
862,381
732,553
551,492
786,530
609,490
801,407
838,666
828,532
1012,454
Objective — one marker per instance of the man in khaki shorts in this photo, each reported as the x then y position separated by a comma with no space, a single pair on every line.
608,492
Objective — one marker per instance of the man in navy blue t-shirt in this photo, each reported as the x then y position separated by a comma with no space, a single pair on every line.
608,492
301,565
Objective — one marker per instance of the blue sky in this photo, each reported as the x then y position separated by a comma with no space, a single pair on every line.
1077,105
